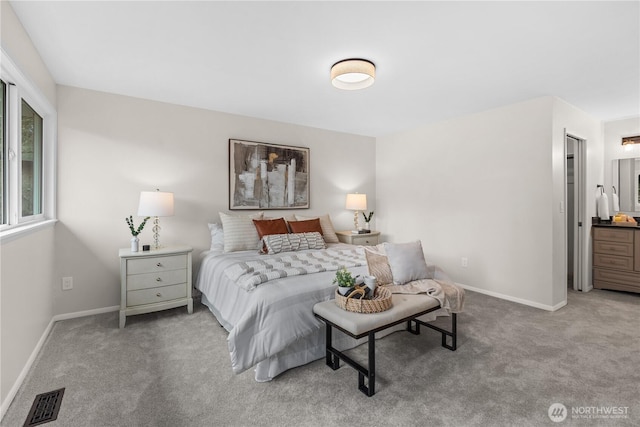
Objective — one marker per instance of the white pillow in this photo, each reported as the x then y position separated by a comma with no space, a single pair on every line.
406,261
217,237
240,233
328,232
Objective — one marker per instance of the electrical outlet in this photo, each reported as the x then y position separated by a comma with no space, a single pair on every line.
464,261
67,283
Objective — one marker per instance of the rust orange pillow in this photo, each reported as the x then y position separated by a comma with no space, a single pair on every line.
267,227
308,226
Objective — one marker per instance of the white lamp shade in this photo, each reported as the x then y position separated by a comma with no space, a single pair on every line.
356,202
155,203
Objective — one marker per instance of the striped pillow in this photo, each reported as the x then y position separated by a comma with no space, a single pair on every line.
240,233
276,243
378,264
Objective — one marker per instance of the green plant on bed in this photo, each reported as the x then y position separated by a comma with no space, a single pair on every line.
344,278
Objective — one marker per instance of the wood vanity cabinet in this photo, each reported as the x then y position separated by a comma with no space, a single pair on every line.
616,258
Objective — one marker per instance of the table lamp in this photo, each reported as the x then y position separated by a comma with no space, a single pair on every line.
156,204
356,202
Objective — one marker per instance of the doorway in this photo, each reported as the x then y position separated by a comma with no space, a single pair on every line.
575,197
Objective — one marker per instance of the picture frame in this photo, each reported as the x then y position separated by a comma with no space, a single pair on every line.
265,176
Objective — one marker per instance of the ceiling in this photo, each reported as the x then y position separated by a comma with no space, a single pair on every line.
271,60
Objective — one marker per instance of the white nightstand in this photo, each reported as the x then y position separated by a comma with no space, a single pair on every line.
368,239
154,280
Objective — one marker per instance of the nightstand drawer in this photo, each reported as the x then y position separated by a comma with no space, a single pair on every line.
364,240
150,265
153,280
149,296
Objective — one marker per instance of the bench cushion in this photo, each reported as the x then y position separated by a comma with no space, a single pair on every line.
402,306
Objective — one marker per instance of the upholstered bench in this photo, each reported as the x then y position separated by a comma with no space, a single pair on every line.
405,308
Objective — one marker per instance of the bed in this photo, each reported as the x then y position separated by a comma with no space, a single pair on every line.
271,323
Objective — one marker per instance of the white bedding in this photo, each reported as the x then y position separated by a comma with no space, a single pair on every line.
272,326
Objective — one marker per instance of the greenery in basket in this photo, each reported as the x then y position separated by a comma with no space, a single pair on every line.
367,218
344,278
134,231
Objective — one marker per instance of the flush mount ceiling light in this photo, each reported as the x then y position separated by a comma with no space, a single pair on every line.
352,74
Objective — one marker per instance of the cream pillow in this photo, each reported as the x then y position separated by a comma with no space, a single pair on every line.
406,261
328,232
240,233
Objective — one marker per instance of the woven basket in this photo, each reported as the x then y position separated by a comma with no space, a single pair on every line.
381,301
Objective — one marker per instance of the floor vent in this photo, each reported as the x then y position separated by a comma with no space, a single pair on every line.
45,408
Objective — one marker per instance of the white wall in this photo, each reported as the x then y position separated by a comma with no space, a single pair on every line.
111,147
26,306
484,187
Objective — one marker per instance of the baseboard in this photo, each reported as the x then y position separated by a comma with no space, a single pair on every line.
85,313
514,299
25,370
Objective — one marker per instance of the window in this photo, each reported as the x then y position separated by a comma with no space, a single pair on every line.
31,156
27,147
3,166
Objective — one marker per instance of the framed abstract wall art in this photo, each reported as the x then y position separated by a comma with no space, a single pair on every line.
267,176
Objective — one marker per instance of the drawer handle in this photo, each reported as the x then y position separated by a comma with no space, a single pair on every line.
158,294
158,279
159,264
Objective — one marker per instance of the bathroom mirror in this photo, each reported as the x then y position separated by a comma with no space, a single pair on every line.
626,179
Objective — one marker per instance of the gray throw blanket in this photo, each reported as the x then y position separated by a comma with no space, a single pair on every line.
249,274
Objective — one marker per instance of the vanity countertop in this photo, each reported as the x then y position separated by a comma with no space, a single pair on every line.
617,225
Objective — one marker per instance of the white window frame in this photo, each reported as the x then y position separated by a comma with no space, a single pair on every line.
19,88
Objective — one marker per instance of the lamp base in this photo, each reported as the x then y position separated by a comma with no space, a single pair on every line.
156,233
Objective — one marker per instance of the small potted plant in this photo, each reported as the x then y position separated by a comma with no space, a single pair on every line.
135,231
345,280
367,220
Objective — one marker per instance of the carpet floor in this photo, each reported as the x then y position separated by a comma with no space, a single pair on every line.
512,363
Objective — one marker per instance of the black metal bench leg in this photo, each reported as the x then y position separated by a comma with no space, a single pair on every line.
454,332
370,389
332,360
414,331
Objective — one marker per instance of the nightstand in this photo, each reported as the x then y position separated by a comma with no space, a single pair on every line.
154,280
367,239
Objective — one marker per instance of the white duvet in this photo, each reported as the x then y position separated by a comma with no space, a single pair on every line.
272,326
